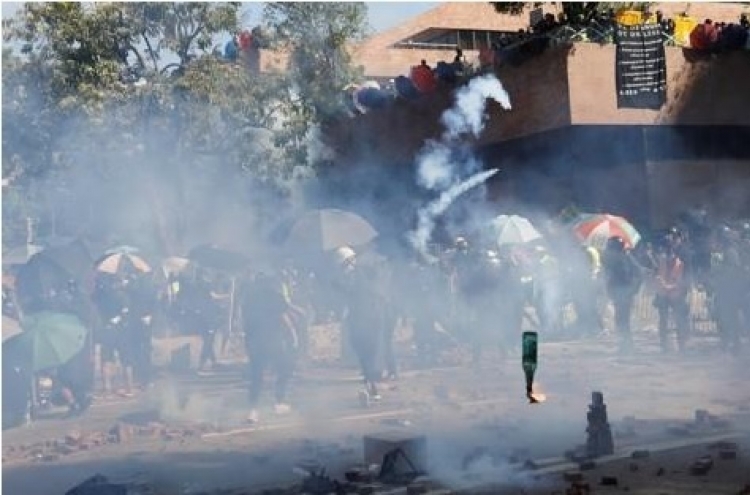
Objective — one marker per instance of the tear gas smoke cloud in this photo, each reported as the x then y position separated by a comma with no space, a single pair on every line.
426,217
467,115
440,166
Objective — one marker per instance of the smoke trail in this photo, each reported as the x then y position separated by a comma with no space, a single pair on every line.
440,164
467,115
426,216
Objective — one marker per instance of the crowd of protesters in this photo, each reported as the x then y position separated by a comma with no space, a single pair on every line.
474,294
514,49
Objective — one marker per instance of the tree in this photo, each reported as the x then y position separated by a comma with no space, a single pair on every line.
575,12
316,36
126,107
71,90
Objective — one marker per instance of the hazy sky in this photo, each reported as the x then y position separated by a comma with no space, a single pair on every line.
383,15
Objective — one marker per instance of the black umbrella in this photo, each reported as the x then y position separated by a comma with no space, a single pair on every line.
53,269
38,277
328,229
214,257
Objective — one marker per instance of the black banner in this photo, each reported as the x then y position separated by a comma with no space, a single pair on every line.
641,67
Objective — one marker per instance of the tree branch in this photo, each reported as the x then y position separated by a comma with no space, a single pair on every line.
151,51
169,66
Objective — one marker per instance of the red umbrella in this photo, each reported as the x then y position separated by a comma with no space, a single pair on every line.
595,230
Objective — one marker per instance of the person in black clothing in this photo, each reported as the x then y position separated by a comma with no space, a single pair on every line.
111,301
16,394
75,381
729,281
270,338
207,315
420,285
143,300
363,320
623,279
483,292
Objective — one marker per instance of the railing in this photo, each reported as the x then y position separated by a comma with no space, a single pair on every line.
422,45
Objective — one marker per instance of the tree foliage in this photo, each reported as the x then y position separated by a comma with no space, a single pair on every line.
575,12
134,93
315,36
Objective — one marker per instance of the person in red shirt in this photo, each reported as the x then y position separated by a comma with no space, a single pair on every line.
424,78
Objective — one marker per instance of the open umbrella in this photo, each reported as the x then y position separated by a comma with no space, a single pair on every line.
329,229
596,229
52,269
48,340
217,258
118,259
512,229
174,264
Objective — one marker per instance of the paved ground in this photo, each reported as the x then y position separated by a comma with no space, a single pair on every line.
199,441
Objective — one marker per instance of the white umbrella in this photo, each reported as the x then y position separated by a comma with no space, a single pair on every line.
512,229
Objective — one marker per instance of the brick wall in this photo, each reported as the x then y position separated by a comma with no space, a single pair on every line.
559,88
698,92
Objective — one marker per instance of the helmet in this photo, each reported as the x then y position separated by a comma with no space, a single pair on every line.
344,254
461,243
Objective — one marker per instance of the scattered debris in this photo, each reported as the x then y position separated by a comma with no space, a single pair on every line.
702,466
377,446
579,454
609,481
727,455
579,488
572,476
723,445
599,441
679,431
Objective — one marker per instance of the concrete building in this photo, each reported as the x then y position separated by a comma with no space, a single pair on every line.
566,141
434,35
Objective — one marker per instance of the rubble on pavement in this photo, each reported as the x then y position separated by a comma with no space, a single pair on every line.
121,432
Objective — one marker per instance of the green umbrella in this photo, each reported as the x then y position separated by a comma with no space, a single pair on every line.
48,340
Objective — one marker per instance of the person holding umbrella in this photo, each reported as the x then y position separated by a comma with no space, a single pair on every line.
51,341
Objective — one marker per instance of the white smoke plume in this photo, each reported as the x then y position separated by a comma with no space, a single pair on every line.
440,168
420,238
467,115
434,169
